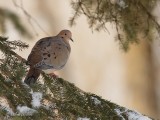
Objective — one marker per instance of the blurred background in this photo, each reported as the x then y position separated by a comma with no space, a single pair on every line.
96,64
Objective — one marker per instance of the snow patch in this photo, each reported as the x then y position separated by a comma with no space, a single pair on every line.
83,118
119,113
36,99
132,115
96,101
121,3
26,111
136,116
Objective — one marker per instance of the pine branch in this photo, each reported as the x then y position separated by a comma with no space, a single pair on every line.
7,47
132,18
60,100
150,16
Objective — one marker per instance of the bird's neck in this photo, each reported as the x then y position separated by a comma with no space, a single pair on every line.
67,43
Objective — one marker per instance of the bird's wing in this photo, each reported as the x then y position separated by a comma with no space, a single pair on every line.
36,53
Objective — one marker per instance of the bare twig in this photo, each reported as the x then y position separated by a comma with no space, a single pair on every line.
29,17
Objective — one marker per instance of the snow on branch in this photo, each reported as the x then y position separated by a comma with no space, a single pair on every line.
36,99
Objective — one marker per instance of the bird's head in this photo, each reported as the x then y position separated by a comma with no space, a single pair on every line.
66,35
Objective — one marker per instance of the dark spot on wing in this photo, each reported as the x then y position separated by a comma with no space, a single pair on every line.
44,53
45,58
55,57
59,48
49,55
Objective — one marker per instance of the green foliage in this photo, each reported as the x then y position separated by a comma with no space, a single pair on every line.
132,18
6,15
7,46
60,100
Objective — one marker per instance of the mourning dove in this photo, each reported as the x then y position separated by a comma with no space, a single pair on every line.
48,54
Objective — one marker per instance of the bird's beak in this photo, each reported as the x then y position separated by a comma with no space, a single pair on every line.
71,39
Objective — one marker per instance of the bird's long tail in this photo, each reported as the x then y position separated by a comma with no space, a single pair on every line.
32,76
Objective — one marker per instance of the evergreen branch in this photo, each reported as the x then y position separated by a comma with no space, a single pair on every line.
72,19
65,100
75,102
5,47
150,16
133,17
6,87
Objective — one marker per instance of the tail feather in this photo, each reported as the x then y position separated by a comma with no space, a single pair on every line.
32,76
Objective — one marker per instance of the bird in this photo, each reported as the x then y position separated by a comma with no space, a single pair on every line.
49,54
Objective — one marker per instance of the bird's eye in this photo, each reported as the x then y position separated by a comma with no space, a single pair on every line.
65,34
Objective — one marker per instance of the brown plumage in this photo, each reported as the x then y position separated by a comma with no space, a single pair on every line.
48,54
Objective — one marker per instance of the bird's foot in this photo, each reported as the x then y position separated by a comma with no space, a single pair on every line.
54,76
